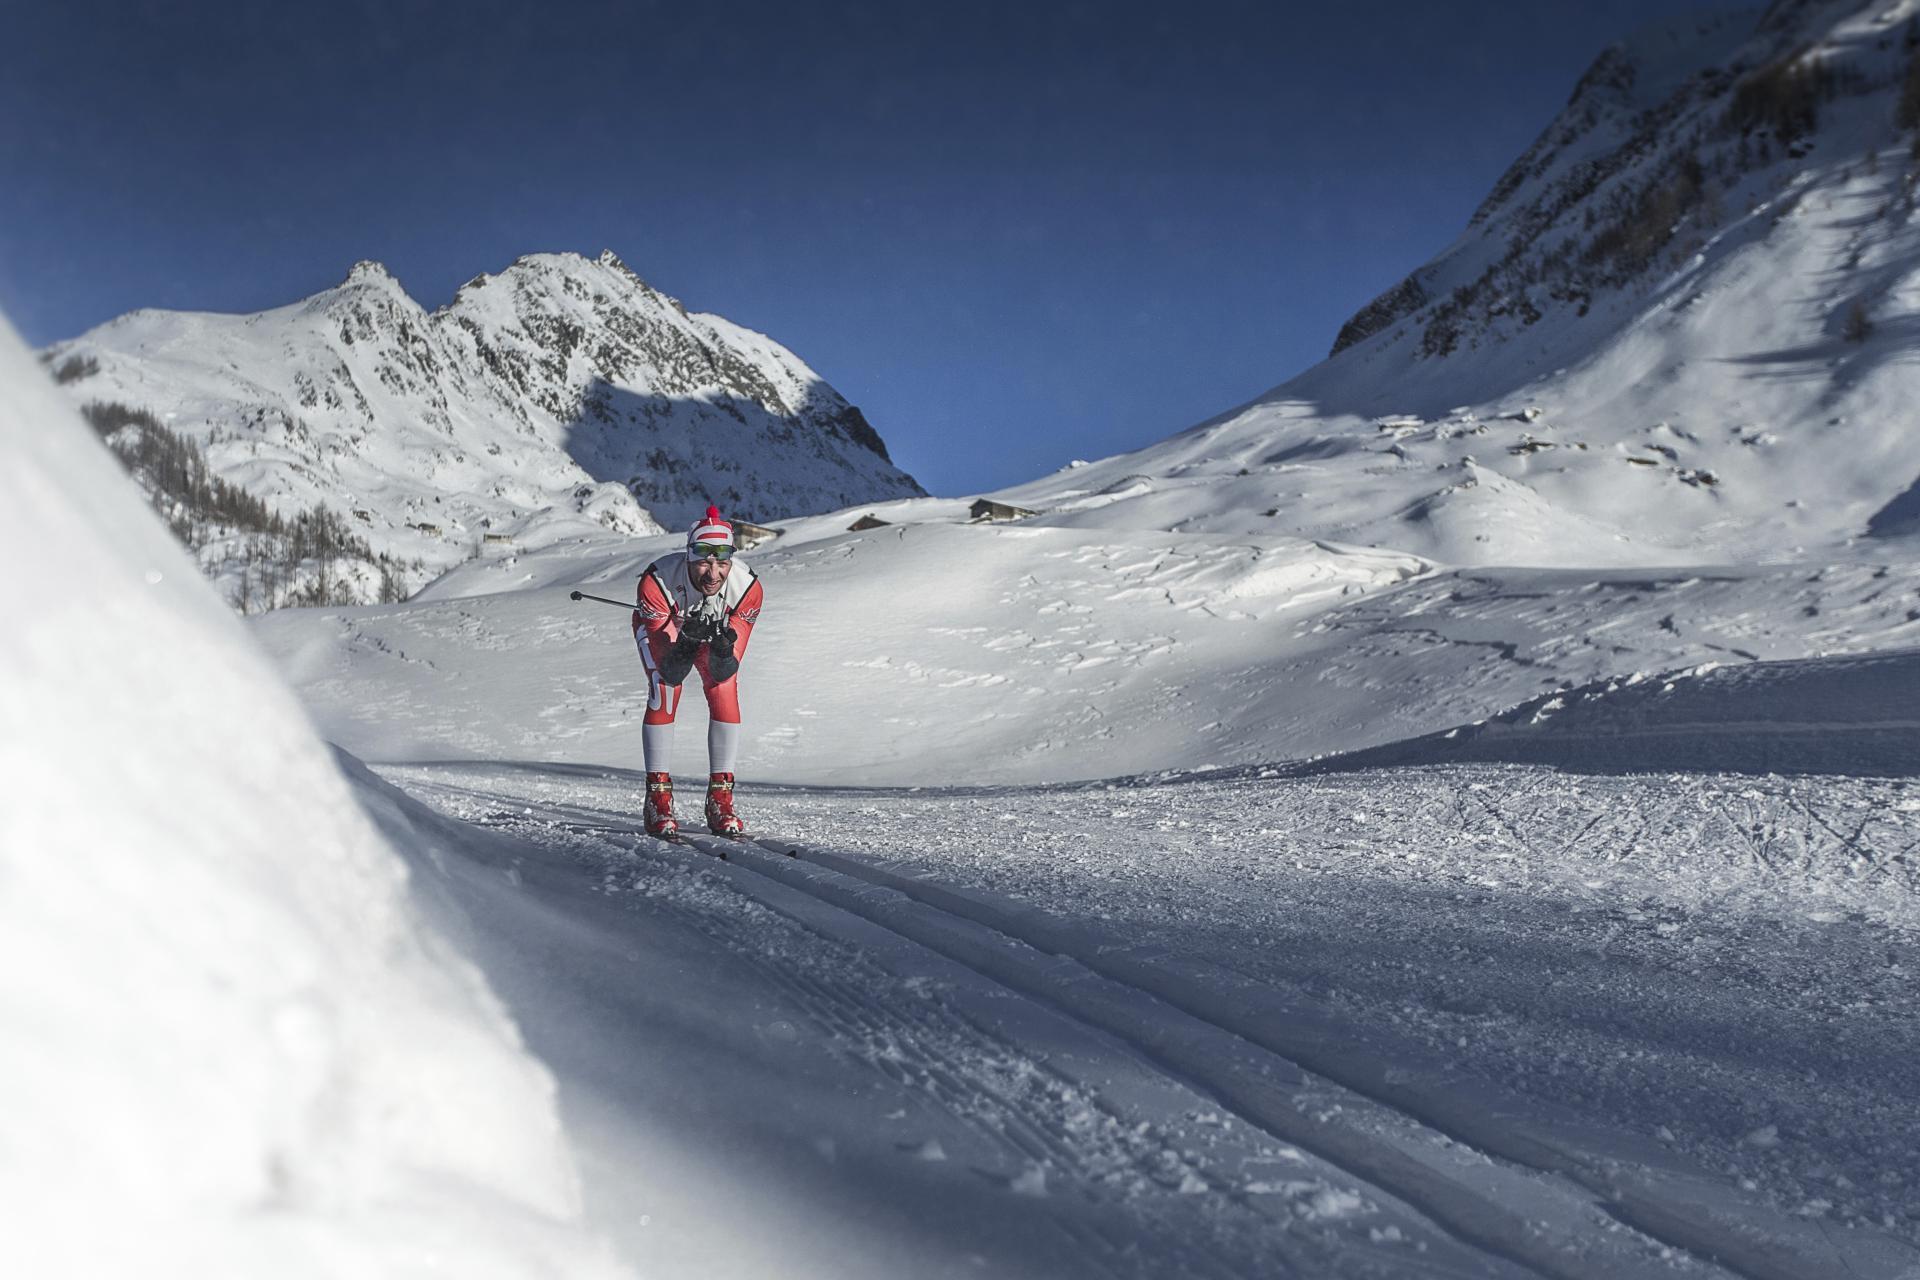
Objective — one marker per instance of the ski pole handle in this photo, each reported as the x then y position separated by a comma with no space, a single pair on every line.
581,595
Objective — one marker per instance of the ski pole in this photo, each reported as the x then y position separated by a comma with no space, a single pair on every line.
581,595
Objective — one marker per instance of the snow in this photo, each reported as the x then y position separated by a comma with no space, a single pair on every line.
936,651
232,1048
1586,436
1447,818
1352,968
554,399
1851,715
1507,941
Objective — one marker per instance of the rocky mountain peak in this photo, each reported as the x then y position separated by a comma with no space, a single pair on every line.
368,307
609,259
368,272
1668,140
559,391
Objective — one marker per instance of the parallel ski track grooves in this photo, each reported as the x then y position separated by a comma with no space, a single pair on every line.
1659,1212
1259,1099
1657,1208
999,1115
1257,1083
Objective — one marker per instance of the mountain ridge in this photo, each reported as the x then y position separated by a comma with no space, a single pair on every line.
1680,328
557,397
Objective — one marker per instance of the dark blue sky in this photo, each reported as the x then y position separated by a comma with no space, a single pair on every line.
1013,233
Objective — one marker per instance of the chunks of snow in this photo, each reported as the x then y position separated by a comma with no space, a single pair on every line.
1329,1203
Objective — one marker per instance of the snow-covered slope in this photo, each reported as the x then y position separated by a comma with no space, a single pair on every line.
1345,961
1335,1018
933,651
1680,329
1339,1017
1649,412
1461,1021
229,1046
559,397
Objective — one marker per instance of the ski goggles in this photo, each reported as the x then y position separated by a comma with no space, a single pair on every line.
710,551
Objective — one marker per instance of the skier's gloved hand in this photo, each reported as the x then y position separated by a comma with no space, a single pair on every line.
679,660
721,661
700,627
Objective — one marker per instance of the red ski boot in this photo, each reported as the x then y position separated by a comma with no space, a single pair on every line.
659,812
721,819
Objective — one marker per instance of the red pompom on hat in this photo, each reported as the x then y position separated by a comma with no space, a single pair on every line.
710,531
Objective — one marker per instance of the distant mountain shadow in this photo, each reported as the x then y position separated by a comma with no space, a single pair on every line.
677,454
1857,716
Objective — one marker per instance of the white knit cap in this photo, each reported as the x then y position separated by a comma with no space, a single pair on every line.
710,531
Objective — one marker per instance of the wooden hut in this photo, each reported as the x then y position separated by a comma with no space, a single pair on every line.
988,509
751,535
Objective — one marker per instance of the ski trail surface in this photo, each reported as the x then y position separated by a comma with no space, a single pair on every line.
1456,1020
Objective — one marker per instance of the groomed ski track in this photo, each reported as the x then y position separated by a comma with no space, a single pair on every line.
1392,1134
1457,1177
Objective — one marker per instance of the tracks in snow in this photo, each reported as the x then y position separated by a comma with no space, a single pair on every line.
1546,1200
1027,1115
1524,1212
1503,1180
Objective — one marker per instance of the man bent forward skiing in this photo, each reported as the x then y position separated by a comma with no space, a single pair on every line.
697,608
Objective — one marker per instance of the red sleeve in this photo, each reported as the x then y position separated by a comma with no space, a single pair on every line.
655,614
744,615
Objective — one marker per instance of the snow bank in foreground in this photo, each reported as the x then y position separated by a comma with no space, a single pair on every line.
229,1048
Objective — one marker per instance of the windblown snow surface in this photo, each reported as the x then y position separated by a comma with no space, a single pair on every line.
1044,963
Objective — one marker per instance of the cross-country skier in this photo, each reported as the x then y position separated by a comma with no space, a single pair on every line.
697,608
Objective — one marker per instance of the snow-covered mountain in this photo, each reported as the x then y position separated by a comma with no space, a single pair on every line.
1681,327
1431,1009
562,396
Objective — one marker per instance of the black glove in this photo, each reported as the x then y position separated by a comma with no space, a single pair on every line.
701,628
679,659
721,662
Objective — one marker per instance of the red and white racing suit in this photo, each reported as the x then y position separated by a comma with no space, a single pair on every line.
667,597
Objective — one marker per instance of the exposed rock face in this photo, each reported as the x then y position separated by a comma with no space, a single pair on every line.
561,394
1623,180
1396,302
